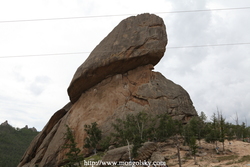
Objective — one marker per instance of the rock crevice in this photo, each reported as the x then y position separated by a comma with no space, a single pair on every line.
114,81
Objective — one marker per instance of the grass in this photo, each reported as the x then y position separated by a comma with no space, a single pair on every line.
232,159
96,157
227,158
244,159
230,163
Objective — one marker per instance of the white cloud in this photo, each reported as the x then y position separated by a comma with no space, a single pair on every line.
39,85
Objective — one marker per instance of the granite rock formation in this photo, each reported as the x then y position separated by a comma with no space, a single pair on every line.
115,80
135,42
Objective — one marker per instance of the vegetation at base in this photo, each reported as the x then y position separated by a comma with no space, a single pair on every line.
105,142
141,127
94,135
245,158
226,158
167,127
193,147
74,157
234,159
96,157
13,144
135,129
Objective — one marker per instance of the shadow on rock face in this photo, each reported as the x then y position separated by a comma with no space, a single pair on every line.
115,80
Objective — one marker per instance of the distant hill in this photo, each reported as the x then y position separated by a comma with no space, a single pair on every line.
13,143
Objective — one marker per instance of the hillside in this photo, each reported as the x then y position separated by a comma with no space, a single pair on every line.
13,143
236,154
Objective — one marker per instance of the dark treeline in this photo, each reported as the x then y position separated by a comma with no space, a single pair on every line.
13,144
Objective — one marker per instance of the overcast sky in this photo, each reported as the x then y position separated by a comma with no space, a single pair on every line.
33,88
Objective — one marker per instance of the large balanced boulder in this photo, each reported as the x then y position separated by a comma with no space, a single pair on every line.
116,80
136,41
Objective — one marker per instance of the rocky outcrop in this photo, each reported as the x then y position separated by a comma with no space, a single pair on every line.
5,123
135,42
122,153
41,148
115,80
33,128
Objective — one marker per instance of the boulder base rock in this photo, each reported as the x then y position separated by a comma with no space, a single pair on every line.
116,80
136,41
122,154
137,90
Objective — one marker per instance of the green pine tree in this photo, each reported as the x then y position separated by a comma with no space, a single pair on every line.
229,131
94,135
193,146
137,143
213,130
74,157
222,127
134,129
167,127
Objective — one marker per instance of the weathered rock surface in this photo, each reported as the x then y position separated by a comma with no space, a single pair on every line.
47,142
157,157
137,90
136,41
122,154
116,80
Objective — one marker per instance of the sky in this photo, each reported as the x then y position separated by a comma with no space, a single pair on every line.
208,52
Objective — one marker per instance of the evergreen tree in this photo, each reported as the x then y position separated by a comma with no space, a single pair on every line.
74,157
131,127
134,129
94,135
197,126
105,142
201,127
123,131
167,127
222,131
193,146
248,133
190,136
243,130
137,143
229,130
187,134
203,116
213,130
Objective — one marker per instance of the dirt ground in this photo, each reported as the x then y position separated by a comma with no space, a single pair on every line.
236,154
